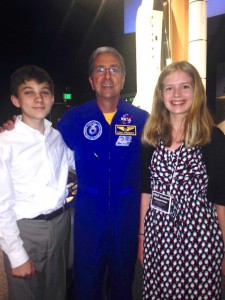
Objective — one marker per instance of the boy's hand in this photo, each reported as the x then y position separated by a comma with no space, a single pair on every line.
25,270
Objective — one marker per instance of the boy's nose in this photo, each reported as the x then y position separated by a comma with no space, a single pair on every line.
38,97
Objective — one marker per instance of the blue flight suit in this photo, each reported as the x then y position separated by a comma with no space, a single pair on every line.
107,204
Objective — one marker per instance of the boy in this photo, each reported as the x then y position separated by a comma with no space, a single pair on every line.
34,220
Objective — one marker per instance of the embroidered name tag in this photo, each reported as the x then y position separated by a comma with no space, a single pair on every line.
125,130
161,202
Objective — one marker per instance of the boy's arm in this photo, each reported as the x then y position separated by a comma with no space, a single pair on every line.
10,240
24,270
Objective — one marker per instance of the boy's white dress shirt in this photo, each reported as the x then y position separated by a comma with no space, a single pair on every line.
33,178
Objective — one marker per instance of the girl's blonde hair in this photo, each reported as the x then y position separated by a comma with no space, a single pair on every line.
198,122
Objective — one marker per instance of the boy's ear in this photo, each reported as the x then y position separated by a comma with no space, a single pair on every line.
15,101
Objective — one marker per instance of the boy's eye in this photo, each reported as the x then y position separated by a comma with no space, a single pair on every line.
46,93
28,92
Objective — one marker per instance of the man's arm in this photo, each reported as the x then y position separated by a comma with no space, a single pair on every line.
145,200
9,125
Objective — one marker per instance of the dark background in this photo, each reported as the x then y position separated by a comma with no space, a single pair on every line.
59,35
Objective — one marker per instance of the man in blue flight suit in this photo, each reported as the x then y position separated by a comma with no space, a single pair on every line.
105,135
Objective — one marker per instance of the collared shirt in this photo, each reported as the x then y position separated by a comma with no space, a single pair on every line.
33,176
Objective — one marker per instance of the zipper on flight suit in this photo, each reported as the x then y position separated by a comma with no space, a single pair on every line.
109,179
109,166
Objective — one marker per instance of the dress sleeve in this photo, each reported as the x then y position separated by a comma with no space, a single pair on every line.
10,240
214,157
146,155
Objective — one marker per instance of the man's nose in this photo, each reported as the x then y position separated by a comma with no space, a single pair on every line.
107,73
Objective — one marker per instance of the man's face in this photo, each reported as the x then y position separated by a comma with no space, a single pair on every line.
34,99
107,79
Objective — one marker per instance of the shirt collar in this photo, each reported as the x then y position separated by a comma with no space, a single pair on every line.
20,124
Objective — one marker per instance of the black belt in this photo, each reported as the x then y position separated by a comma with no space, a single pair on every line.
53,214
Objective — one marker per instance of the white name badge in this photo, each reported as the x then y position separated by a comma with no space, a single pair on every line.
161,202
124,141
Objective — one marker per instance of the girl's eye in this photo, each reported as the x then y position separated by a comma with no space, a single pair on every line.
185,87
168,88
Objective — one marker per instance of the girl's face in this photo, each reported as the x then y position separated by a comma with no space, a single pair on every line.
177,92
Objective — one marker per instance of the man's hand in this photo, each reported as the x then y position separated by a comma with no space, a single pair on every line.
25,270
9,125
141,249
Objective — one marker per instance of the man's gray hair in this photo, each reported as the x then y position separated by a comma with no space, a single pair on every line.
110,50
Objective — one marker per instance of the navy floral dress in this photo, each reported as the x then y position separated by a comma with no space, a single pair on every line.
183,250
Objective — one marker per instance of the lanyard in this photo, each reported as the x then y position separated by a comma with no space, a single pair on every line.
176,166
161,201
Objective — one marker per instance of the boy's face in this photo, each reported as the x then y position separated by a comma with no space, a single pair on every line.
34,99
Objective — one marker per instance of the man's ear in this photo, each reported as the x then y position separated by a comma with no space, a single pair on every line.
123,82
90,80
15,101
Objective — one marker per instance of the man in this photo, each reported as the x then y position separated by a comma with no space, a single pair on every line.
105,136
34,220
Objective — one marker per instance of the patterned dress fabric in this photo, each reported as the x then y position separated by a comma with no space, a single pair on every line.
183,250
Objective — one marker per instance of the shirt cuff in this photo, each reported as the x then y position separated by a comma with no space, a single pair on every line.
18,258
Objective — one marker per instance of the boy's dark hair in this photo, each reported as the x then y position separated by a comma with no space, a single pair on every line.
27,73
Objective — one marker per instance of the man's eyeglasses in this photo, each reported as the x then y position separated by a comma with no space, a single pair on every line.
183,88
112,70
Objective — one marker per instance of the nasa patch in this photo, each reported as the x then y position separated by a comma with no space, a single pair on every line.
92,130
126,119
